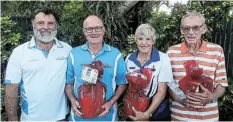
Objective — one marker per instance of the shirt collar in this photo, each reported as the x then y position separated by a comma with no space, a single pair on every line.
33,44
105,47
154,58
203,48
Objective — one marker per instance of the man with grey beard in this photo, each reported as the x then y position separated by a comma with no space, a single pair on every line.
37,69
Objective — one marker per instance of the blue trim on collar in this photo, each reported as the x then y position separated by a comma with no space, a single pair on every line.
106,47
133,57
44,51
32,43
84,46
154,58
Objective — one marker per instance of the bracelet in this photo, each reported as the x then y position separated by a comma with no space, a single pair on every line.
150,114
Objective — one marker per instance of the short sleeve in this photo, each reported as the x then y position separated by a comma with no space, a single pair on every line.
70,69
165,74
13,70
121,70
221,76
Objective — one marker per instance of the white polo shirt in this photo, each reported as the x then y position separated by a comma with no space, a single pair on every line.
42,80
160,65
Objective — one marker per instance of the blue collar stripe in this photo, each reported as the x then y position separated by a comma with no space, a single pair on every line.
154,58
105,47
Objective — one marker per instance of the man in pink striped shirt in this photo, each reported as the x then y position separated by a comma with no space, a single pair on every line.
210,57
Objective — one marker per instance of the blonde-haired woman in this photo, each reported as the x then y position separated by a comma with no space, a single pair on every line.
148,57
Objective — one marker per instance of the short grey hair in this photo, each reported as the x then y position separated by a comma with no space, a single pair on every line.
193,14
145,30
92,16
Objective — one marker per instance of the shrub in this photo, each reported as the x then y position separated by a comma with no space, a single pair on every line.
225,103
9,40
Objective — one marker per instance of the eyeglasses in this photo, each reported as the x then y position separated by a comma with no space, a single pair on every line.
96,28
186,29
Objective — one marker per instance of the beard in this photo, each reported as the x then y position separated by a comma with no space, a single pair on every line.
45,37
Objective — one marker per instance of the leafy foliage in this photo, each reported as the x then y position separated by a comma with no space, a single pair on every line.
168,26
27,8
167,31
72,14
70,29
131,42
138,15
9,40
3,113
214,12
225,104
115,24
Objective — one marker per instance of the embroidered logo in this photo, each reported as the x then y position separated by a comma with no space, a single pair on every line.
33,60
106,66
61,58
103,66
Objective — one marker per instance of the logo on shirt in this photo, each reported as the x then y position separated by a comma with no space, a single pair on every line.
33,60
132,67
61,58
153,68
103,66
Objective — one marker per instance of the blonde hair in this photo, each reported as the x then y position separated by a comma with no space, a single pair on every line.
145,30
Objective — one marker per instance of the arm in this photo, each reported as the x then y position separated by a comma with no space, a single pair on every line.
176,98
12,81
220,83
120,89
207,96
11,101
120,81
69,92
69,89
159,96
219,92
164,76
74,103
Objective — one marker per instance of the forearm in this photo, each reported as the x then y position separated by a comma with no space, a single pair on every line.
174,96
119,91
158,98
11,101
219,91
69,91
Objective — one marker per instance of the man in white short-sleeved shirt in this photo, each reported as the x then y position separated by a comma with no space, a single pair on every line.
37,69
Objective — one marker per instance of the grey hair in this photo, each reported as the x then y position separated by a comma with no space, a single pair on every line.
146,30
85,21
193,14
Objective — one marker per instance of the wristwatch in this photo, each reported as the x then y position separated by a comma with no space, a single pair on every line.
150,114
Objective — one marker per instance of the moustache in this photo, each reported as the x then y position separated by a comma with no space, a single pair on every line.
45,30
94,35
